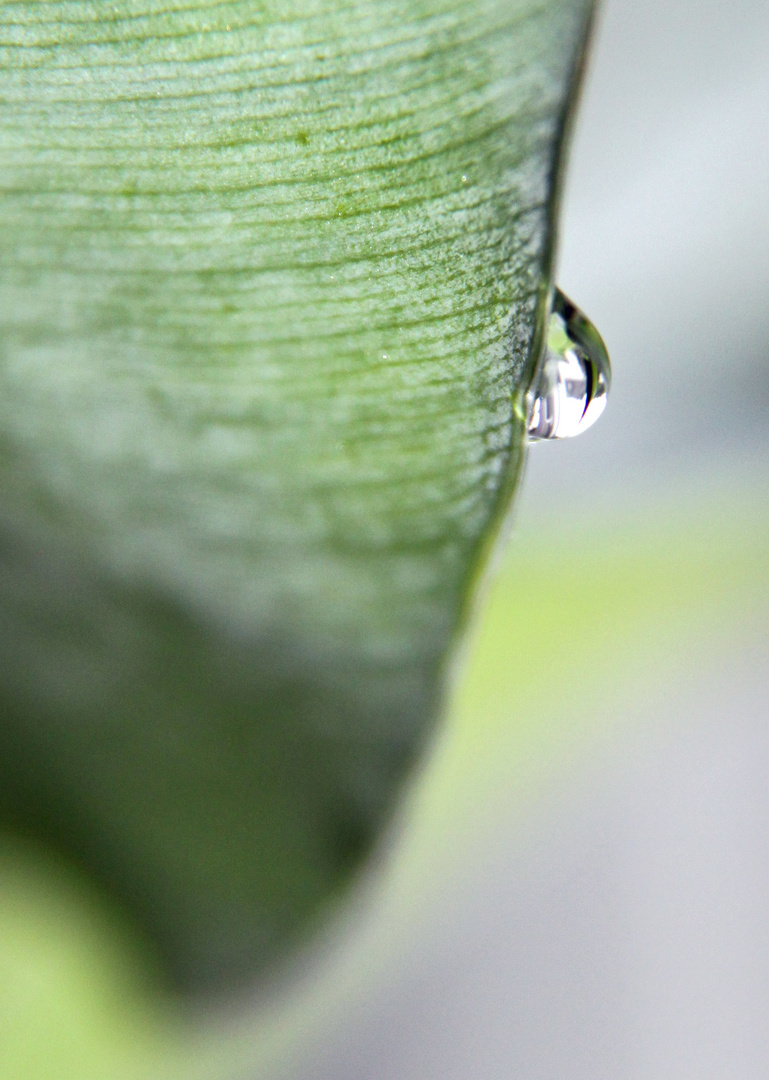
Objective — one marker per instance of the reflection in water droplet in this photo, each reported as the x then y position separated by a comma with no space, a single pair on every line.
571,385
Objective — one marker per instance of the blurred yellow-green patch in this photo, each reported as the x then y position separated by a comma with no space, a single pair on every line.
573,614
79,996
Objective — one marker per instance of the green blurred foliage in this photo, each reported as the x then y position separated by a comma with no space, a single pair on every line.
567,621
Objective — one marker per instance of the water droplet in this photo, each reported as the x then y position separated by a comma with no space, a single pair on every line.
571,385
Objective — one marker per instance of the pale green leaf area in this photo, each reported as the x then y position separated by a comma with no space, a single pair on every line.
569,619
272,281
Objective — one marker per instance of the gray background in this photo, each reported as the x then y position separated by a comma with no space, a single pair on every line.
665,243
631,940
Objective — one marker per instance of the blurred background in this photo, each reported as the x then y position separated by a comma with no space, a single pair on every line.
583,888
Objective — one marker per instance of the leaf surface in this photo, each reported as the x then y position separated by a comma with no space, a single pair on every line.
272,282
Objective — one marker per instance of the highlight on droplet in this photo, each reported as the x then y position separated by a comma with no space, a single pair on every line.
571,384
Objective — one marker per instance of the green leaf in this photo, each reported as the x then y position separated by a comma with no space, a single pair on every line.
272,284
